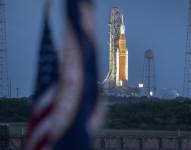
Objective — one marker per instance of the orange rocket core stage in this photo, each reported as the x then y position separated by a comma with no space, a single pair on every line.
122,58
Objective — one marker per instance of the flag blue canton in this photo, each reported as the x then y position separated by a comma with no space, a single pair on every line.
48,63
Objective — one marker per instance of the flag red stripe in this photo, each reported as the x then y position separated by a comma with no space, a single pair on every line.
44,142
36,119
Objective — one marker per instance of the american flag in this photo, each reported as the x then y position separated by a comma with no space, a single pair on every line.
65,97
45,91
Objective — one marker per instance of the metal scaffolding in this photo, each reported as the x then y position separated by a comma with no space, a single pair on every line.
4,82
187,67
115,21
149,79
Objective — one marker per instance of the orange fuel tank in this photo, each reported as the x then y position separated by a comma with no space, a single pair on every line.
123,55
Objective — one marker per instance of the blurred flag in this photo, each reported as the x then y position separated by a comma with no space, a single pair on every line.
80,63
65,100
45,91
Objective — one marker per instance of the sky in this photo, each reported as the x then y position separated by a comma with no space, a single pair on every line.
156,24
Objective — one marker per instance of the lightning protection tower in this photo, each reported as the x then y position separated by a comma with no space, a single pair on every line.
187,67
149,80
4,83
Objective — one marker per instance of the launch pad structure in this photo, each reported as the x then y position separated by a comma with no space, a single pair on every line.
115,20
4,82
116,82
118,53
187,67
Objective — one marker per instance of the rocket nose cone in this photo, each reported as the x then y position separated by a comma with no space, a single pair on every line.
122,20
122,28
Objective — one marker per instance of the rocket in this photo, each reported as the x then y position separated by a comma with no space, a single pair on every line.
122,58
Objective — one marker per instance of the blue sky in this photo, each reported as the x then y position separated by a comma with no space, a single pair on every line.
156,24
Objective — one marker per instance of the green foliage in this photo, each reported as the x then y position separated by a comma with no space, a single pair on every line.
132,114
14,110
150,114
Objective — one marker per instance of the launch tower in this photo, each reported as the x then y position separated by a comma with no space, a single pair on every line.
187,68
114,33
4,83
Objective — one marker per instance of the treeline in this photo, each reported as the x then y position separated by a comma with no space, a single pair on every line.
14,110
150,114
134,113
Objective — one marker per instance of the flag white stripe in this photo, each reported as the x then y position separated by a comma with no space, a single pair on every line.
39,132
45,100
